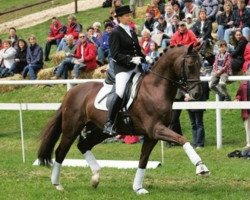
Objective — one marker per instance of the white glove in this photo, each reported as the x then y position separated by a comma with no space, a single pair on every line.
136,60
149,60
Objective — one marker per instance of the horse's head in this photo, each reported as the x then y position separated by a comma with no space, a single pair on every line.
189,73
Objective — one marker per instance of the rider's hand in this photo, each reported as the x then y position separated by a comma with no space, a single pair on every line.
149,59
136,60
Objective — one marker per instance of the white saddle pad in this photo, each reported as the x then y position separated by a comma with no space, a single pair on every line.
100,101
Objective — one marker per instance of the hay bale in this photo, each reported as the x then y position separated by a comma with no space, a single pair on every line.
140,12
45,74
100,72
58,57
8,88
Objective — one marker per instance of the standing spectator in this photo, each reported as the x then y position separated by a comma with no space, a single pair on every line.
211,7
238,52
196,118
224,20
13,37
183,36
191,8
85,56
243,94
149,22
221,71
103,50
7,56
56,33
20,58
68,62
246,65
72,28
241,18
34,58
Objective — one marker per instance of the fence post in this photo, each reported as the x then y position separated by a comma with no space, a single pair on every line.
22,135
162,151
218,125
69,86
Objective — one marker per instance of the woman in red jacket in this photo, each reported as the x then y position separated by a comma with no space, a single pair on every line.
246,65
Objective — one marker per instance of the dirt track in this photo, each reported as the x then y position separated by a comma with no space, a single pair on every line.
40,17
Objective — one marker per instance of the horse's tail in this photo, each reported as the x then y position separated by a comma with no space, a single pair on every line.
49,137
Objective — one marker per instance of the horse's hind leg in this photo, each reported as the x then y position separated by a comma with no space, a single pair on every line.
61,152
161,132
85,144
147,147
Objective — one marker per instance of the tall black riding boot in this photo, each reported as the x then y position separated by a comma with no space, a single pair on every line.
112,112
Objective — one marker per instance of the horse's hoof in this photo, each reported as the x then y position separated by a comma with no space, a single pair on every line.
59,187
141,191
202,170
95,179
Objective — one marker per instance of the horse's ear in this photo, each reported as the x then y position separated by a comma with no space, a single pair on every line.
190,48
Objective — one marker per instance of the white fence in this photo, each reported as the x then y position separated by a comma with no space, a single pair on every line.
177,105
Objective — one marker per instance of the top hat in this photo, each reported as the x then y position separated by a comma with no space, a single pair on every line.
122,11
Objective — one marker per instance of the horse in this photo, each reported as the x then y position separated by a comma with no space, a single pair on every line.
178,67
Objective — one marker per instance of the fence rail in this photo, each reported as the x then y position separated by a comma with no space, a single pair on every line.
217,105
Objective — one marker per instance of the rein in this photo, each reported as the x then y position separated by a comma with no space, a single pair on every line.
182,83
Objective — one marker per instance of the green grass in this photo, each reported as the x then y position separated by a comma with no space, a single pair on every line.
13,4
175,179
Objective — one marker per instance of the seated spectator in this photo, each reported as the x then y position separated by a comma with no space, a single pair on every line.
91,38
177,10
169,13
116,4
191,8
149,22
20,58
7,56
85,56
34,58
97,30
103,50
72,28
145,41
189,21
246,65
224,20
203,29
211,7
241,18
153,52
183,36
165,28
175,21
13,37
153,9
238,52
56,33
68,62
221,71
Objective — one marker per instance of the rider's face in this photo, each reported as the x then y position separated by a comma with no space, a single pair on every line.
125,19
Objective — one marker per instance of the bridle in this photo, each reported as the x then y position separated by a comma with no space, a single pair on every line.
184,82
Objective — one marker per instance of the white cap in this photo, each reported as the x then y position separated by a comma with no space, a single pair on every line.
189,16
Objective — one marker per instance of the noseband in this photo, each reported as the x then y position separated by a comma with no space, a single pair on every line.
184,82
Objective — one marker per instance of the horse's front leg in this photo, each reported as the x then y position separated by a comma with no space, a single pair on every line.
147,147
161,132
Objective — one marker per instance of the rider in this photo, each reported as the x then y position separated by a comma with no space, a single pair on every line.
126,53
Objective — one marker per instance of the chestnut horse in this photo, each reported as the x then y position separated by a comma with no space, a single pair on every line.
178,67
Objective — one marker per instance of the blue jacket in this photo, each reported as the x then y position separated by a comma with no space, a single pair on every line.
34,55
104,41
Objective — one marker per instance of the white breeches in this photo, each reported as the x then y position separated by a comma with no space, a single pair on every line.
121,80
